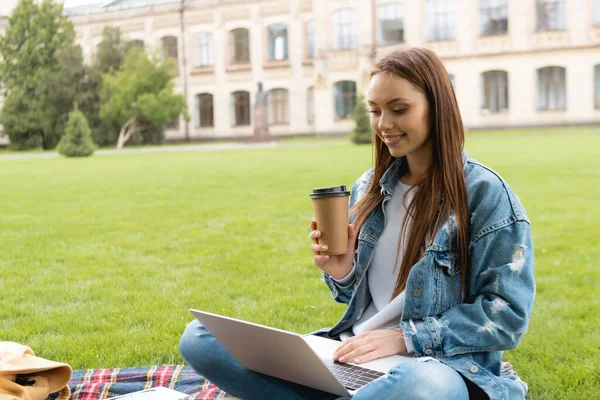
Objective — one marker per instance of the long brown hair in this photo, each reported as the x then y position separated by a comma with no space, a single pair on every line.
442,193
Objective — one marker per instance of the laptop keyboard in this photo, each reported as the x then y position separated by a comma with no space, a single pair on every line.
352,376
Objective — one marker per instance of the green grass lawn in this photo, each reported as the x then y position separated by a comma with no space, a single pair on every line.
102,257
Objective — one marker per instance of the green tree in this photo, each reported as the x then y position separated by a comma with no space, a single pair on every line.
141,95
63,88
40,69
362,132
104,131
112,52
77,139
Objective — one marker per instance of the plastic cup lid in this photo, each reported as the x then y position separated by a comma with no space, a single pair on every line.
334,191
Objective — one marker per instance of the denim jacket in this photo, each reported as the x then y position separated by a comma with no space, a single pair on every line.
469,334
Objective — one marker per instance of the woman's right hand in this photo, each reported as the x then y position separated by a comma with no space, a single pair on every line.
335,266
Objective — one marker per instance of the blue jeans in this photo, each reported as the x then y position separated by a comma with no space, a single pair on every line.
416,380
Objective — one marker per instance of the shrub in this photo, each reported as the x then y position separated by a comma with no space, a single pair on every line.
77,139
362,131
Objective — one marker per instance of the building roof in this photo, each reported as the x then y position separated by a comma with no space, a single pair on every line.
86,9
114,5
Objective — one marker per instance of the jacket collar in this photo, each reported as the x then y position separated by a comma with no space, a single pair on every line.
390,178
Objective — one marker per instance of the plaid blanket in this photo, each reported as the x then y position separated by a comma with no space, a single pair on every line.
99,384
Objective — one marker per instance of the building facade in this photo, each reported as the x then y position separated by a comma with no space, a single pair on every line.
512,62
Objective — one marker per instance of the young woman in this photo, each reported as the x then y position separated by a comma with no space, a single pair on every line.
441,267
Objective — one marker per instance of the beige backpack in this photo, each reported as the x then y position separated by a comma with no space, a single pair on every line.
23,376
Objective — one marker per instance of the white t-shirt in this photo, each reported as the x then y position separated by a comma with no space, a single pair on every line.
382,273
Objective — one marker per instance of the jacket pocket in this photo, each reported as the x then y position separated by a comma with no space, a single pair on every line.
446,273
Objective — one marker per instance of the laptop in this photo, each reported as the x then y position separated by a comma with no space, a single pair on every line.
155,393
303,359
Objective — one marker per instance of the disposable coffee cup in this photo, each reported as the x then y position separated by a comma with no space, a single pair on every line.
330,207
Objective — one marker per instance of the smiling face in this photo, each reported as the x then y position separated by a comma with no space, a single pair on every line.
400,116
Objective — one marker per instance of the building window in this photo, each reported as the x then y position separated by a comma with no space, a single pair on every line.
277,101
345,99
240,108
240,46
278,42
391,23
551,15
551,88
203,49
310,105
494,91
169,48
204,116
493,17
597,12
597,85
440,20
310,39
344,29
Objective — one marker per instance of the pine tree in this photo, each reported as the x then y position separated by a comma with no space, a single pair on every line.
77,139
362,131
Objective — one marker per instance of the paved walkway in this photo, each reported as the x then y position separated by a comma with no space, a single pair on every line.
182,148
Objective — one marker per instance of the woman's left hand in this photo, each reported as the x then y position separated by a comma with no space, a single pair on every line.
371,345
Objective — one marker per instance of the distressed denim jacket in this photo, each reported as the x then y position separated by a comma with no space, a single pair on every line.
469,334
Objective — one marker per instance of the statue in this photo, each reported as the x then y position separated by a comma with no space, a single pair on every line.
261,117
261,95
